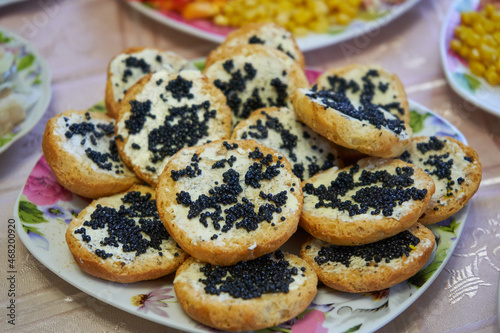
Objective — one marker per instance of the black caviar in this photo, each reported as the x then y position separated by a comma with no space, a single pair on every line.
342,86
180,88
128,226
260,131
250,279
384,250
366,112
237,85
379,191
88,131
255,40
181,128
223,207
436,164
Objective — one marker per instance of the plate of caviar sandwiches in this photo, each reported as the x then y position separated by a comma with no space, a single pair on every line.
179,197
315,24
24,87
470,52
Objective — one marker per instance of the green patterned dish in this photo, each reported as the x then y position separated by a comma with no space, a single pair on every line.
32,78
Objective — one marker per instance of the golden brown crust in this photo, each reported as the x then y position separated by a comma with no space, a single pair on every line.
349,132
395,88
449,205
242,35
364,229
237,314
113,270
240,244
223,125
361,278
112,105
77,175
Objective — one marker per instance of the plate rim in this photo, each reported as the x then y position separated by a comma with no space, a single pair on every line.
41,106
443,50
377,324
335,39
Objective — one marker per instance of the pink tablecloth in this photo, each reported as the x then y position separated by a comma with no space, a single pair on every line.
79,37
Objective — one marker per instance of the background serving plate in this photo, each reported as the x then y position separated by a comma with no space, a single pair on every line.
34,76
368,21
44,209
472,88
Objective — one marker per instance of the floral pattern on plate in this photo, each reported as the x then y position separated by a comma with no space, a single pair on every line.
44,208
472,88
31,77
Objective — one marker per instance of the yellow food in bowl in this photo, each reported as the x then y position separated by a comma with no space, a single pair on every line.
477,39
298,16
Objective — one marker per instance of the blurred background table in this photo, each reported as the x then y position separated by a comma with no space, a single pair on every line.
78,38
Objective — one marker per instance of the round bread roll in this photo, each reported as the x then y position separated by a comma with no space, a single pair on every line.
367,129
369,201
126,68
121,238
254,76
80,148
454,168
165,112
370,267
355,81
279,129
229,201
263,33
250,295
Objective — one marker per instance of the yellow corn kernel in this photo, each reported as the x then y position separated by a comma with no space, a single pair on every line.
489,26
477,68
472,39
221,20
466,18
492,77
474,55
489,40
455,45
488,54
479,28
299,31
343,19
496,37
460,31
474,17
464,52
320,25
489,10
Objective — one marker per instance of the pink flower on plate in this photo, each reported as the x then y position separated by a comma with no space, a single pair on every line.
312,75
310,323
153,301
42,187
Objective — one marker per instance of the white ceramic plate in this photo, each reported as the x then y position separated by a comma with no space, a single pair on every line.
472,88
370,21
32,77
44,210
